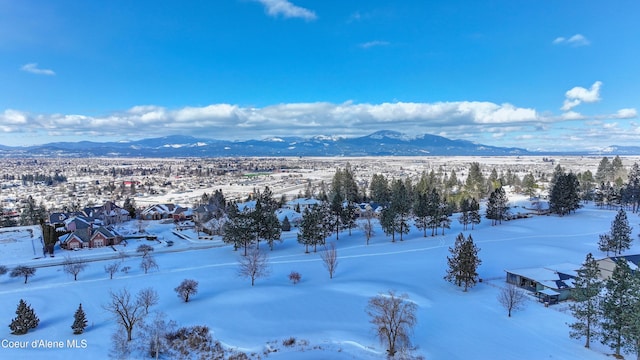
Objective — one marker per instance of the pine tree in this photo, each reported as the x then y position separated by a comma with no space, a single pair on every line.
421,213
25,320
239,229
337,210
79,321
563,192
463,263
379,189
621,232
464,218
400,206
497,206
620,297
475,184
633,187
267,225
286,225
586,293
310,232
474,213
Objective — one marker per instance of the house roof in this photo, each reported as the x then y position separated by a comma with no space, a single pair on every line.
558,276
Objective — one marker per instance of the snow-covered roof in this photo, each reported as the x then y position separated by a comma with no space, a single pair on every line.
558,276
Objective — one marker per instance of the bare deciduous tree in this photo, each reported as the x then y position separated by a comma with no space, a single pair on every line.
122,256
367,226
187,288
23,270
393,317
112,269
125,310
329,258
144,249
254,265
154,339
73,266
147,297
512,298
147,263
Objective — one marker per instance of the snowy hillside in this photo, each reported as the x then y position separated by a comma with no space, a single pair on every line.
326,317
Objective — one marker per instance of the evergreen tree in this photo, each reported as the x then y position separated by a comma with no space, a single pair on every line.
475,184
311,231
286,225
563,196
445,210
130,206
79,321
421,213
464,218
497,206
388,222
337,210
586,293
633,187
433,209
349,216
266,223
621,296
621,232
239,229
529,185
25,319
379,189
463,263
587,186
604,174
401,206
474,213
606,243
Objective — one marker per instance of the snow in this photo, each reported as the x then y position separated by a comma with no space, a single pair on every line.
326,317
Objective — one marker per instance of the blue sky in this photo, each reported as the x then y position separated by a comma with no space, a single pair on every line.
534,74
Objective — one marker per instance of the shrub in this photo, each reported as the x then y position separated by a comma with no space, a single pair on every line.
295,277
289,342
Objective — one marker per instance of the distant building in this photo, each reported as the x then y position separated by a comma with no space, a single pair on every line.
549,284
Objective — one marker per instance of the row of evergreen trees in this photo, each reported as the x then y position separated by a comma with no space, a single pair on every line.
26,319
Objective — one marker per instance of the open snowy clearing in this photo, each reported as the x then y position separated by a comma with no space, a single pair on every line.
326,317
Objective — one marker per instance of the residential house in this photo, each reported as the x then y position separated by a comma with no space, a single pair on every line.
84,232
158,212
109,213
204,213
608,264
549,284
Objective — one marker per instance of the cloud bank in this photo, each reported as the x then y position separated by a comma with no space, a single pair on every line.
286,9
491,123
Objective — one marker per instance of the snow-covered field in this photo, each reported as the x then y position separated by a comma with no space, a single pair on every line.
328,315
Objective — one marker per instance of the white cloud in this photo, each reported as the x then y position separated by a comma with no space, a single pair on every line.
578,95
34,69
575,40
482,122
630,113
287,9
374,43
572,115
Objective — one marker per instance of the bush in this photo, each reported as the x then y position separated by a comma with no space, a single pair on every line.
295,277
289,342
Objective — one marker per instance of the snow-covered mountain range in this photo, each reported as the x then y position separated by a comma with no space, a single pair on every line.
381,143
